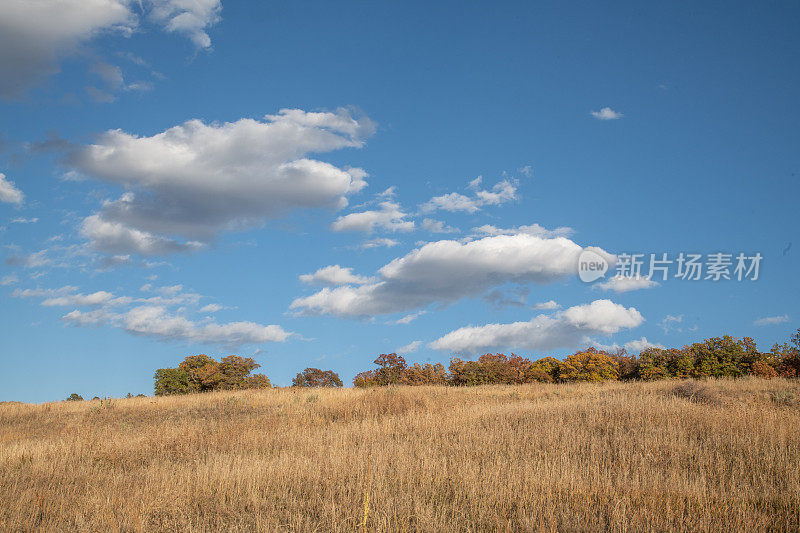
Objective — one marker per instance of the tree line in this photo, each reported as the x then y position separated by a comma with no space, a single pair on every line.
201,373
716,357
713,358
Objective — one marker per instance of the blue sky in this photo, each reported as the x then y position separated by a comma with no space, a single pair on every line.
171,169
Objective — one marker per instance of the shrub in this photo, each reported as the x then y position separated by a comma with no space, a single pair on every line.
696,392
74,397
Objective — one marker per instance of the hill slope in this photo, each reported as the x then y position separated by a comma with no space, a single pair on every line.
638,456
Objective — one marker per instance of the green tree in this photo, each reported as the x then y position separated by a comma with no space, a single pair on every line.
172,381
74,397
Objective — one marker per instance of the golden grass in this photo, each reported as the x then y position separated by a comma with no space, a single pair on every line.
619,457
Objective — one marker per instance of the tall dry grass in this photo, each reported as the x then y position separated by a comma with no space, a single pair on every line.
619,457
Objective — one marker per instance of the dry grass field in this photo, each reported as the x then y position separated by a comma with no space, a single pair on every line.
617,457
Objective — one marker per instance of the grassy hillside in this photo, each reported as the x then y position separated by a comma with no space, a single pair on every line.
638,456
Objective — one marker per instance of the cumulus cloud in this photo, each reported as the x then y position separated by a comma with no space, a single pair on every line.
626,283
334,275
389,217
564,329
117,238
193,181
9,192
502,192
447,271
606,113
158,323
34,35
771,320
165,316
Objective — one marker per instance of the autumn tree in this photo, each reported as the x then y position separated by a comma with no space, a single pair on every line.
392,369
547,369
427,374
314,377
590,365
201,373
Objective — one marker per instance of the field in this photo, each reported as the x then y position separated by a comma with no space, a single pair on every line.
618,457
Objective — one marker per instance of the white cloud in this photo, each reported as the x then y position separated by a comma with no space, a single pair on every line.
334,275
408,319
10,279
409,348
95,298
67,296
606,114
502,192
447,271
640,345
391,192
116,238
671,322
437,226
188,17
632,347
158,323
548,305
113,81
9,192
390,217
193,181
35,34
154,316
771,320
533,229
625,284
378,243
545,332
